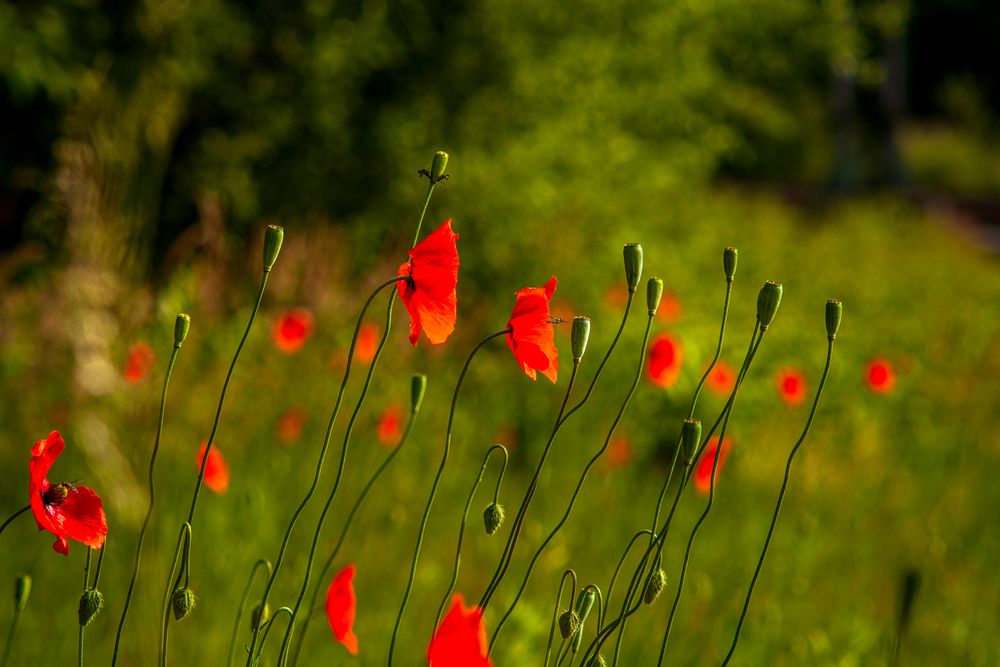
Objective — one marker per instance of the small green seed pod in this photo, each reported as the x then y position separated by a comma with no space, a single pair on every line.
579,336
438,164
273,238
181,327
418,386
633,265
655,586
182,601
834,313
768,300
259,616
22,590
729,262
493,517
91,604
654,292
585,603
569,623
690,439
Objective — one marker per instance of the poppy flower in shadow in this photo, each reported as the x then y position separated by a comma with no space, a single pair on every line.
619,452
880,376
140,362
670,309
216,470
665,357
429,292
460,638
531,338
702,477
68,511
290,425
791,385
722,379
292,329
390,425
341,603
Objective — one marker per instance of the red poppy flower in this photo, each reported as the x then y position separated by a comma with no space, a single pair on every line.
703,469
340,608
722,379
390,424
791,385
429,294
292,329
141,360
367,343
670,309
290,424
531,338
619,452
880,375
460,639
66,510
665,356
216,470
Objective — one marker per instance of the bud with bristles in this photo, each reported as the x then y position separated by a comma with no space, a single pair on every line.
260,615
22,589
438,165
655,586
834,313
768,300
633,265
91,604
690,439
182,602
569,622
418,385
493,517
272,245
579,336
729,262
654,292
181,326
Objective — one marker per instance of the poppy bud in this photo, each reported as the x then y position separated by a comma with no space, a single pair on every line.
633,265
569,622
579,336
597,661
691,439
654,290
655,586
22,589
272,245
493,517
418,385
834,313
768,300
259,616
438,165
182,601
584,603
91,604
729,262
181,326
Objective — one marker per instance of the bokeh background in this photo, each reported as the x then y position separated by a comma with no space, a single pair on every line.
848,148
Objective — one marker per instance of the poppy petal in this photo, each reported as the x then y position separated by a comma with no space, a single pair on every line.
341,603
429,295
460,638
81,517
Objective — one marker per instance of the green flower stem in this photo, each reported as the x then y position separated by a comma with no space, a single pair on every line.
267,630
86,586
583,479
149,508
465,516
777,505
14,516
555,611
322,457
9,648
572,644
182,538
423,212
243,605
434,486
621,562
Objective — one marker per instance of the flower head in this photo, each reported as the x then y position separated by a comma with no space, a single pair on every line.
292,329
722,379
429,291
702,477
390,425
531,338
340,608
665,356
216,470
140,362
791,385
68,511
460,638
880,376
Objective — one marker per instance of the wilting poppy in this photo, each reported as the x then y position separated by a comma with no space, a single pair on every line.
216,470
140,362
68,511
665,356
791,385
722,379
367,343
460,638
292,329
390,425
290,424
341,603
619,452
531,338
429,293
880,375
702,477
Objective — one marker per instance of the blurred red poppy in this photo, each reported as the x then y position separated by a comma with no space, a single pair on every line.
619,452
670,309
290,424
429,294
341,603
791,385
702,477
68,511
665,356
292,329
722,379
140,362
216,470
531,338
367,343
880,375
390,425
460,638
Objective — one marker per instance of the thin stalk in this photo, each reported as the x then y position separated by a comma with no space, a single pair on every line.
267,630
434,486
185,533
86,587
621,562
14,516
555,611
243,605
9,648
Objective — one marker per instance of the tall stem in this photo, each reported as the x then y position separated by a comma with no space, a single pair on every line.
14,516
182,538
86,587
243,605
555,612
9,648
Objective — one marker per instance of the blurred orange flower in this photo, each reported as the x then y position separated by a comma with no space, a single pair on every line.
670,309
341,603
619,452
722,379
367,343
880,375
292,329
665,357
141,360
702,477
791,385
290,424
216,470
390,425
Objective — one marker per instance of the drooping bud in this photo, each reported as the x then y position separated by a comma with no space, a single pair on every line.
597,661
569,622
182,602
493,517
181,327
584,604
655,586
259,616
418,385
438,165
91,604
633,265
690,439
272,245
579,336
729,262
654,291
768,300
22,590
834,313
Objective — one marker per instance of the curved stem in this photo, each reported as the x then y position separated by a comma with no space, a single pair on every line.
165,615
621,561
555,611
434,486
267,630
243,605
14,516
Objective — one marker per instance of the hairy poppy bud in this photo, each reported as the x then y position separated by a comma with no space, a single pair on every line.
259,616
691,439
418,385
22,589
493,517
834,313
633,265
181,326
182,602
91,604
768,300
729,262
438,165
655,586
654,291
272,245
597,661
569,622
579,336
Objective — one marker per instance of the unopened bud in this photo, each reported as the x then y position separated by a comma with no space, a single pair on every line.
633,265
493,517
834,313
22,589
181,327
569,622
438,165
729,262
259,616
418,385
690,439
655,586
182,602
91,604
654,291
579,336
272,245
584,603
768,300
